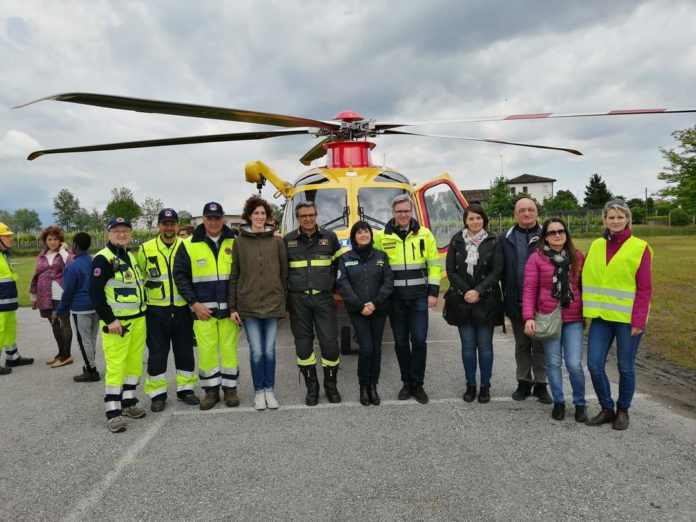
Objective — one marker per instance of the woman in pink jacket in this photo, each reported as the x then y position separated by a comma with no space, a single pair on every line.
46,290
552,279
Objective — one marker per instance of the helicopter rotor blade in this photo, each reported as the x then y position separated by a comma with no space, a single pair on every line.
211,138
532,116
486,140
185,109
315,152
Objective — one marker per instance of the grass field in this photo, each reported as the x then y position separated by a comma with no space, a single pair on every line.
672,325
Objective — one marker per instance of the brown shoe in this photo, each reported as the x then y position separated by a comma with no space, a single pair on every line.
211,399
231,399
621,420
603,417
52,360
62,362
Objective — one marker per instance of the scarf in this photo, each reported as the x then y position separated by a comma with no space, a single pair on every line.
363,251
561,288
472,242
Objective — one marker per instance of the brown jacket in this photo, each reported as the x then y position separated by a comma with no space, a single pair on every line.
258,282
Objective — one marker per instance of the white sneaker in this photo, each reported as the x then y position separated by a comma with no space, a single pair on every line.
260,401
271,401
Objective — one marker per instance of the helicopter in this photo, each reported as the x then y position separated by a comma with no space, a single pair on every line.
349,187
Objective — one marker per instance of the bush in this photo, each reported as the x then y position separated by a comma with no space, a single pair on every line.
679,218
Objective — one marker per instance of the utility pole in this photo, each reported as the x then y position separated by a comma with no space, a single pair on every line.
646,205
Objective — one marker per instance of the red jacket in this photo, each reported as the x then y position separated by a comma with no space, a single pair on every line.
45,274
536,294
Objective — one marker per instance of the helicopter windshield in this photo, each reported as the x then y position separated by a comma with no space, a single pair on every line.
332,208
391,177
374,203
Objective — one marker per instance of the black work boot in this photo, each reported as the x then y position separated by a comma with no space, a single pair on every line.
310,376
524,390
580,413
470,393
364,394
485,394
372,394
558,412
541,393
330,387
88,375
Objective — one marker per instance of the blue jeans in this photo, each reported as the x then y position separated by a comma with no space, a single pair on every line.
477,338
568,347
261,335
409,322
602,334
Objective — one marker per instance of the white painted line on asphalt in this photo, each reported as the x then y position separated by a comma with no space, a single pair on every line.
348,404
81,510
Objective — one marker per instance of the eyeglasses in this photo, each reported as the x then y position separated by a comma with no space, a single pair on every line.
401,211
551,233
307,216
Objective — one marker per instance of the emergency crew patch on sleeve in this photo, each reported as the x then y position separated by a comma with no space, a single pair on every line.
324,242
228,251
292,244
97,272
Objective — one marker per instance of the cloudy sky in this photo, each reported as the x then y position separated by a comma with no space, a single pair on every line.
396,61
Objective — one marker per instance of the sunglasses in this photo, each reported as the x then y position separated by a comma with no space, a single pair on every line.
551,233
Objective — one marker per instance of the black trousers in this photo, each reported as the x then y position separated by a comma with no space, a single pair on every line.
310,312
169,326
369,331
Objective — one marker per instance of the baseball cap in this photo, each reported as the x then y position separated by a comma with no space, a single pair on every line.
167,214
115,221
213,209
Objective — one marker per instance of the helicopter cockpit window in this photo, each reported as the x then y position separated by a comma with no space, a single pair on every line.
312,179
445,212
332,208
391,177
375,204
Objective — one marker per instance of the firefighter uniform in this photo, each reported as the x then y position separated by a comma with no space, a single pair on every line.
311,280
415,263
169,322
8,308
116,290
202,270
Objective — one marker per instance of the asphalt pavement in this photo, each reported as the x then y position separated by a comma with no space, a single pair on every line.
447,460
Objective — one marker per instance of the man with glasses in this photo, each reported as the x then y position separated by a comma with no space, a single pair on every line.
312,252
202,268
117,293
518,243
169,320
415,263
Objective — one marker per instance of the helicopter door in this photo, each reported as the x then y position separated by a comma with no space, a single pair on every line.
441,206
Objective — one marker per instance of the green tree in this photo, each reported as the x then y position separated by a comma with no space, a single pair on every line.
596,192
149,209
83,220
122,204
563,200
500,200
185,217
680,174
278,211
66,207
7,218
26,220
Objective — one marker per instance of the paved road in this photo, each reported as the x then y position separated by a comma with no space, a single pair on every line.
448,460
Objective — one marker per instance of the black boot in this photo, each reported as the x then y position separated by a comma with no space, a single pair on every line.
88,375
524,390
470,393
541,393
558,412
364,395
312,382
330,387
485,394
372,394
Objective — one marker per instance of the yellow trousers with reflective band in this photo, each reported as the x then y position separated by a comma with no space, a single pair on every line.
123,357
217,353
8,329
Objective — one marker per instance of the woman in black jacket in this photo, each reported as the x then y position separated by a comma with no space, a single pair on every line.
365,283
474,302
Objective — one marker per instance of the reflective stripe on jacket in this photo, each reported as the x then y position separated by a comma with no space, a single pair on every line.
124,291
415,261
8,284
210,274
156,261
311,261
609,289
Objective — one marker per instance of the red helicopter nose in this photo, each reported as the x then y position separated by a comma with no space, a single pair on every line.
348,116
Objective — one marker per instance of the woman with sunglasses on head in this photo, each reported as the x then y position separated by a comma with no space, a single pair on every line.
552,279
365,282
617,287
474,301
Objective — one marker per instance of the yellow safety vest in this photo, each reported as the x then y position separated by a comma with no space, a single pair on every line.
124,291
609,290
209,274
8,285
156,260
